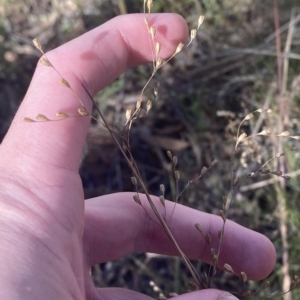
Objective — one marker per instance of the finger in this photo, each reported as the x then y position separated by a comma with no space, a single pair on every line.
208,294
94,59
123,294
116,226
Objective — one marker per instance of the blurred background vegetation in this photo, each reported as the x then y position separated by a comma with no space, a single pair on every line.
231,69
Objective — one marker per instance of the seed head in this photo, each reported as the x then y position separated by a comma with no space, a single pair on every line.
172,295
228,268
215,161
28,120
159,62
152,31
296,137
193,33
266,132
244,277
64,82
198,227
284,133
138,104
128,114
179,47
44,61
149,5
207,239
37,44
200,21
157,47
241,137
41,117
134,181
248,117
82,111
136,198
148,105
266,285
162,199
61,114
175,160
203,171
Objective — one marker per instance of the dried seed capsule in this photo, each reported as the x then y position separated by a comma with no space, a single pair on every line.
157,47
148,105
179,47
136,198
45,62
177,175
64,82
159,62
244,277
149,4
134,181
41,117
162,199
61,114
228,268
198,227
152,31
138,104
37,44
28,120
193,34
215,161
200,21
128,114
175,161
266,285
82,111
203,171
207,239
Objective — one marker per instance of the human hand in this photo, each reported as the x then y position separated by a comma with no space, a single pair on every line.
49,236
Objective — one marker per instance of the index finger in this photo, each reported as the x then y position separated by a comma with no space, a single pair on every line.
94,59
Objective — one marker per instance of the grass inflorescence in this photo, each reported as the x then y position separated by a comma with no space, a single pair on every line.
121,136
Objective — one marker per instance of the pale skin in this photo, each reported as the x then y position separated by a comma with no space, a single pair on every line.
49,236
